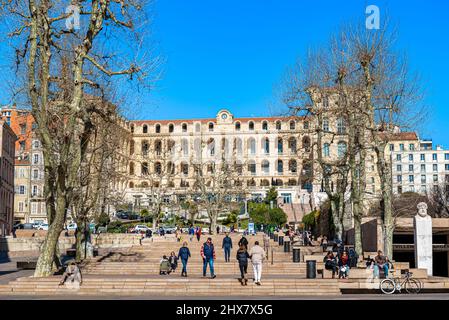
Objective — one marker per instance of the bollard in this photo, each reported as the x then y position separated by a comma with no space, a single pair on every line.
287,245
296,254
281,240
311,269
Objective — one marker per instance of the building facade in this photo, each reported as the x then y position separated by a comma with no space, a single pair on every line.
7,151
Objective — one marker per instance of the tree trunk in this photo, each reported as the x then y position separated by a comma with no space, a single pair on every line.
336,219
44,266
78,240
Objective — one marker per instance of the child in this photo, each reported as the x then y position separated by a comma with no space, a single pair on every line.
173,261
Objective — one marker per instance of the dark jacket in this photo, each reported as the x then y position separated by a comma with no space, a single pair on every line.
242,257
243,241
227,242
184,253
173,260
208,251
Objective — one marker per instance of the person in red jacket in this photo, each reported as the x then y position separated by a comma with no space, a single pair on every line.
198,234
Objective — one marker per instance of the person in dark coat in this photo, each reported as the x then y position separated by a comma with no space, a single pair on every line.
184,255
208,255
243,241
173,259
242,257
227,246
330,263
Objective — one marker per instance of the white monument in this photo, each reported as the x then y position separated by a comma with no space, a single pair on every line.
423,239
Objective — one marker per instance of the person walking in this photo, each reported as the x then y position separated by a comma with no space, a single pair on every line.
184,255
191,233
242,257
198,234
218,229
243,241
257,255
227,246
208,255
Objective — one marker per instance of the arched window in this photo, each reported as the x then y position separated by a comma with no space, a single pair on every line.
158,147
184,127
341,147
252,167
238,167
131,168
211,147
280,167
292,145
131,185
238,146
266,146
237,126
265,125
197,147
341,126
280,146
251,146
326,125
264,183
279,182
145,148
292,166
326,150
185,147
170,168
171,147
184,168
145,128
158,128
292,182
158,168
132,130
131,147
306,144
251,183
171,128
144,184
292,125
251,125
211,126
265,167
225,147
278,125
144,169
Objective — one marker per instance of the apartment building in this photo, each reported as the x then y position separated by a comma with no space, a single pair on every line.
7,150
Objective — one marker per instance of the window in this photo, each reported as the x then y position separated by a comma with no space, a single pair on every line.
35,174
266,146
398,157
278,125
145,128
446,167
131,168
341,126
398,167
211,147
446,156
447,178
341,149
399,189
158,128
22,190
264,125
435,167
145,148
326,150
411,147
306,143
36,159
36,144
292,166
251,126
434,157
292,145
34,191
423,189
238,145
410,157
280,146
423,178
326,125
144,169
171,128
252,168
286,198
292,125
265,167
21,206
401,147
411,178
237,126
184,127
158,168
211,126
399,178
391,147
435,178
185,147
306,125
23,129
22,146
423,168
410,167
252,146
132,128
423,157
280,166
184,168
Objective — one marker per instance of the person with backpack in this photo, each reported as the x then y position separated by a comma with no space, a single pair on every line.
227,246
243,241
242,257
330,263
208,255
184,255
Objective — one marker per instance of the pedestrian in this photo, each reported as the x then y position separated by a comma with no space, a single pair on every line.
257,255
242,258
191,233
173,259
208,255
227,246
198,234
218,229
184,255
243,241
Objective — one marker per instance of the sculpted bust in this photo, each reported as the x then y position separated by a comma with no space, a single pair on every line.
422,209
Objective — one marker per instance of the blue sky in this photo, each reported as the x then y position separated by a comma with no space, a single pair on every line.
231,53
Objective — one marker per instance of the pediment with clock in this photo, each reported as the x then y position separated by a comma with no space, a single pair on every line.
224,116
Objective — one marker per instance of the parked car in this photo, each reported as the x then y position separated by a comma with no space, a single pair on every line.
71,227
27,226
43,226
140,228
169,229
205,230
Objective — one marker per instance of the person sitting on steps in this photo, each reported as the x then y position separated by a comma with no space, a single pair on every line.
330,263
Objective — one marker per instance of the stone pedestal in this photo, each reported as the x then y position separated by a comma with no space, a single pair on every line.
423,239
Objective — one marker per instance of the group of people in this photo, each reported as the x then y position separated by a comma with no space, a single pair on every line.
256,254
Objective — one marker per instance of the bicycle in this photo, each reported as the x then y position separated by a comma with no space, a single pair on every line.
411,286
